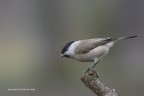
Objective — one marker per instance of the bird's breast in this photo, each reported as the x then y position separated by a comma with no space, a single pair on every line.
93,54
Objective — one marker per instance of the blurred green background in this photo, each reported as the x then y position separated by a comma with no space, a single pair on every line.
33,32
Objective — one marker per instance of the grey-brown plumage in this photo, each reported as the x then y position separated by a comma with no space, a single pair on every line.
89,44
90,50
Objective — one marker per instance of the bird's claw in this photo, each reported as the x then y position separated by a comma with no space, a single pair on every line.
90,71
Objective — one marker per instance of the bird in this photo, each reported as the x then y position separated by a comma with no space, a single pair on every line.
90,50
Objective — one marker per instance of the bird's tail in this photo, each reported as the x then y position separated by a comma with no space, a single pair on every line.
128,37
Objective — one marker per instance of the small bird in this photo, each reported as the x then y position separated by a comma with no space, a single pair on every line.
90,50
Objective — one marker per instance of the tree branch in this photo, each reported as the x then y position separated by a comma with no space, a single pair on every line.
92,81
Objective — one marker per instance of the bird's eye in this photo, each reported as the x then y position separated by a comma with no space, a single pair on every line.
66,47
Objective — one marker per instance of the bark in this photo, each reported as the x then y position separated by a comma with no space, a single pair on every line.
92,81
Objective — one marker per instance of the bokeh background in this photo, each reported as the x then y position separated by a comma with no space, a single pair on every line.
33,32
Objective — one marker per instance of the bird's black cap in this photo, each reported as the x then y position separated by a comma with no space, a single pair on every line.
65,48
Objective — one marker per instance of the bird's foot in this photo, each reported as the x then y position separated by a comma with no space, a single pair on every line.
90,71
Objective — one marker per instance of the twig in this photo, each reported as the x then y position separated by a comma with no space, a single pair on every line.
92,81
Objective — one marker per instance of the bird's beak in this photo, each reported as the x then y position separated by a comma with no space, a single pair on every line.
62,55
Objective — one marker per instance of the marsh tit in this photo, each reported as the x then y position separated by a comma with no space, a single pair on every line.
90,50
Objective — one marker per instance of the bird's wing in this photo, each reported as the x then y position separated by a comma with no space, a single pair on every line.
89,44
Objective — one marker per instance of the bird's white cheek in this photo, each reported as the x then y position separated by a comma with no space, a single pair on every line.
70,52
